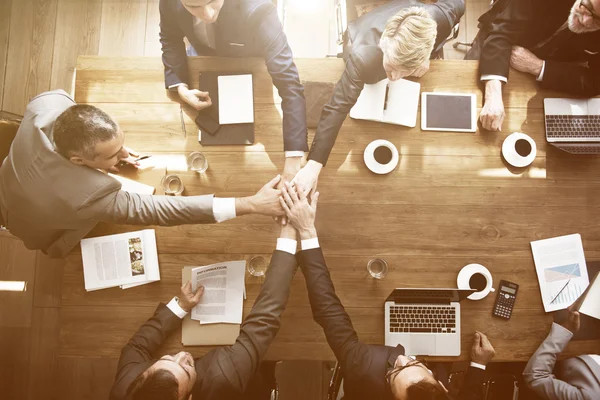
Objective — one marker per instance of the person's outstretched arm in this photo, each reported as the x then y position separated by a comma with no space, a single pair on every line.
240,362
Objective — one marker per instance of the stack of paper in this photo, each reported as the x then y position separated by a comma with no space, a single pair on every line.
561,270
125,260
224,292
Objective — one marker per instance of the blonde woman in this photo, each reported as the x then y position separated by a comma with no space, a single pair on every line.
395,40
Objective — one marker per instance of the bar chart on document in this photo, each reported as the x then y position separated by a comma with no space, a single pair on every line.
561,270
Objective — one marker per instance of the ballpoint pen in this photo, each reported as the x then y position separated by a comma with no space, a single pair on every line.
561,290
182,121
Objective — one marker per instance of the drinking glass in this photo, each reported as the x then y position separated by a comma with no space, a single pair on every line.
197,162
378,268
257,266
172,184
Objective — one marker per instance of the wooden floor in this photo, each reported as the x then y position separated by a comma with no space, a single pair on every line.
39,43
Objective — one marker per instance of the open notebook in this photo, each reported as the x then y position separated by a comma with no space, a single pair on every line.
390,102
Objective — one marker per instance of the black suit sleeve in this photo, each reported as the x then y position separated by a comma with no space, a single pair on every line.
280,64
329,312
174,56
345,95
142,348
236,365
472,388
573,78
507,26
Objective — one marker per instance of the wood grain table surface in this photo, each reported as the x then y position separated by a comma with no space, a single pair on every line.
451,201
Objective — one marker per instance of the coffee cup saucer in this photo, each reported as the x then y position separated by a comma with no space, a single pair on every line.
373,165
462,281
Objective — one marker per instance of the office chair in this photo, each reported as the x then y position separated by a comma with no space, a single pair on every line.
469,44
9,125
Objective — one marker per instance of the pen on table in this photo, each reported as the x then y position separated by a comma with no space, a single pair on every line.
142,158
561,290
182,121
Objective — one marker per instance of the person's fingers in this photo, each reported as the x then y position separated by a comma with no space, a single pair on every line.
187,287
486,342
198,93
292,192
286,196
477,339
283,219
198,293
273,182
314,199
495,122
132,152
284,206
484,120
301,194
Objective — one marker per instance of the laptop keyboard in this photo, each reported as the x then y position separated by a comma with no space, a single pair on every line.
579,149
423,319
573,126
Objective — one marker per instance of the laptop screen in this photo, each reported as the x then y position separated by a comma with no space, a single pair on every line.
411,295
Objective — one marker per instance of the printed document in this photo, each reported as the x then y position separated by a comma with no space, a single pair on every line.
222,301
561,270
127,260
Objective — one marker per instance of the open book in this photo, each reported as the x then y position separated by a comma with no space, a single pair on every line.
390,102
125,260
223,298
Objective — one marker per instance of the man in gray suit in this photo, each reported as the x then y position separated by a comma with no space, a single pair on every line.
223,373
54,186
576,378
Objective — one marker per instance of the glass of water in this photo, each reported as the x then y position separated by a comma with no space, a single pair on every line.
378,268
257,266
197,162
172,184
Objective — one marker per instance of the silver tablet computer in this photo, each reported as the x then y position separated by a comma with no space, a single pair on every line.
454,112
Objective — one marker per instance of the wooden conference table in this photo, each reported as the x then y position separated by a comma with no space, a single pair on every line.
450,202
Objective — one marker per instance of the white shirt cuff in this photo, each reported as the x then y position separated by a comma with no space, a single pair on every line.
294,153
492,77
177,85
176,308
541,75
223,208
287,245
476,365
310,244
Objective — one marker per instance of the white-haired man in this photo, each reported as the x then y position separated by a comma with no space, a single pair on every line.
394,41
557,41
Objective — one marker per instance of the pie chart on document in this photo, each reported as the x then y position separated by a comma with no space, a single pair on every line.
381,157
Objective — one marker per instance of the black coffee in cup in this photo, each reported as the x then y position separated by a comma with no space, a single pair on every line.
523,147
478,282
383,155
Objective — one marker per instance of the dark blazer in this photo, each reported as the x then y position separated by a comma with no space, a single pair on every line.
363,365
364,63
223,373
527,23
244,28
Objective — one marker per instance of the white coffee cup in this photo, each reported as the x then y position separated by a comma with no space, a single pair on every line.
473,272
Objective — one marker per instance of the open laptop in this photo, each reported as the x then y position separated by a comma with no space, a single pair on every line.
424,321
573,125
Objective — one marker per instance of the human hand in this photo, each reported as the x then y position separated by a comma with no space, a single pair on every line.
188,299
307,178
572,322
290,168
524,60
130,160
492,113
421,70
301,214
288,232
195,98
482,351
266,200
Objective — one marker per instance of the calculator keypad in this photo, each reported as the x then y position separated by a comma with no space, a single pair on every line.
504,305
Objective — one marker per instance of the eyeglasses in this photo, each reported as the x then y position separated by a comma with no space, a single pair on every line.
585,4
391,374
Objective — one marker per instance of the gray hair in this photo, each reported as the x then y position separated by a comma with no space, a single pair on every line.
80,128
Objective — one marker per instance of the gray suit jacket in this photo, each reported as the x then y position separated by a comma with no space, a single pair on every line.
223,373
364,63
576,378
51,203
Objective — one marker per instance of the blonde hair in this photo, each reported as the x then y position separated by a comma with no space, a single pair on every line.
408,38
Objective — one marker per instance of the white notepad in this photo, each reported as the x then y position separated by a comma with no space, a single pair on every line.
402,102
236,100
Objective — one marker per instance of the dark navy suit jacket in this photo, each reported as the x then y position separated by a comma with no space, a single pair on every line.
244,28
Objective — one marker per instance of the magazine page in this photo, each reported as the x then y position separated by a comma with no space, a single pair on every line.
222,301
150,254
121,259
